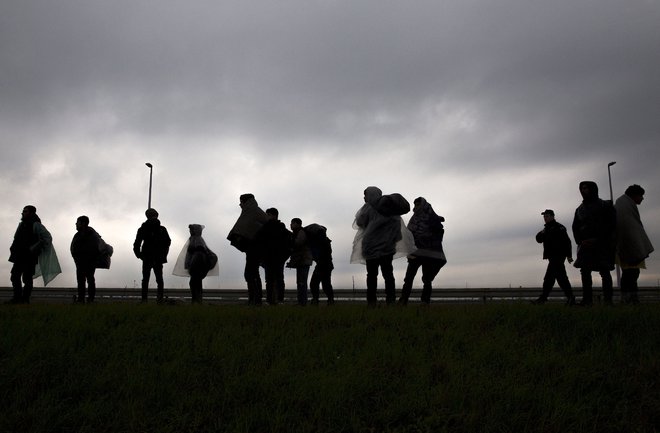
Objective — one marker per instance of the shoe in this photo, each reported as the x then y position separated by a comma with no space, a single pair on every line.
539,301
403,302
570,301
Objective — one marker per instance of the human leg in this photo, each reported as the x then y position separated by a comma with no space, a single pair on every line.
587,287
411,272
387,269
146,274
160,284
430,268
302,273
629,286
372,281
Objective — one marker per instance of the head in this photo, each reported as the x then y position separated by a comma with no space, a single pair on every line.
28,212
372,194
419,204
82,222
195,229
296,224
151,213
589,190
245,198
272,213
636,193
548,215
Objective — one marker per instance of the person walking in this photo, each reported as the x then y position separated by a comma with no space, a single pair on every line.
428,232
152,244
242,237
196,261
557,248
301,259
380,230
86,252
321,248
594,226
274,242
32,255
633,245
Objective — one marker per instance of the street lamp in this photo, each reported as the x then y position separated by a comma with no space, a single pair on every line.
609,176
151,172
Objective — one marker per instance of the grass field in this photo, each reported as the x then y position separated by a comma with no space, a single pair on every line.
454,368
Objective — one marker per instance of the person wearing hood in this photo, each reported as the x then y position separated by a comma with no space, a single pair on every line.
196,261
242,237
633,244
32,255
381,236
594,230
274,242
557,248
428,231
301,259
152,244
86,251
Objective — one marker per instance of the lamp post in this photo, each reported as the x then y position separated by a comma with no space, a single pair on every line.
609,177
151,172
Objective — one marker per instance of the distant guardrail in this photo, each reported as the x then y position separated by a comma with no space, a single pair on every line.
239,296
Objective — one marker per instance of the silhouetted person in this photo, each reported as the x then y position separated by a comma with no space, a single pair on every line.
594,228
301,259
428,231
380,228
633,244
274,241
557,248
196,261
321,248
32,254
241,236
152,243
86,252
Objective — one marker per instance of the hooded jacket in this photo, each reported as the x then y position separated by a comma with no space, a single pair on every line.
152,242
633,244
594,221
428,231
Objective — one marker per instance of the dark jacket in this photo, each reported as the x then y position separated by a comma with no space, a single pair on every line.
595,221
26,245
555,240
300,254
85,247
152,242
274,242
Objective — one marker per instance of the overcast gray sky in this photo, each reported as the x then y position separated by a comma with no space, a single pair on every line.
492,110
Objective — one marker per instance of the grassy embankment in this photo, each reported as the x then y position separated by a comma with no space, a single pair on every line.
458,368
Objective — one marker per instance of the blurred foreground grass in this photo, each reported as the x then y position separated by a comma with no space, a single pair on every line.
454,368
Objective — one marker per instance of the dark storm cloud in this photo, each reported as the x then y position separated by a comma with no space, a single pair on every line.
494,110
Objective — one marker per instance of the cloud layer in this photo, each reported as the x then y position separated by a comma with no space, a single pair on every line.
492,111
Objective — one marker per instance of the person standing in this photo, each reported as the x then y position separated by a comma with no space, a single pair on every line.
557,248
152,244
32,255
196,261
428,231
301,259
86,251
321,248
633,244
379,229
241,236
594,226
274,242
